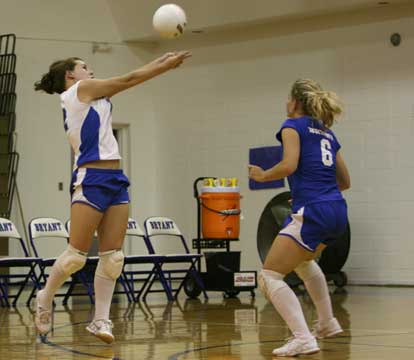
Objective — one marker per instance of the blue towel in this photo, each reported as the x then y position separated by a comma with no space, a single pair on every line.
265,157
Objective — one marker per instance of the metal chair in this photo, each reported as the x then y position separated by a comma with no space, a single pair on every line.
52,228
166,229
8,231
146,276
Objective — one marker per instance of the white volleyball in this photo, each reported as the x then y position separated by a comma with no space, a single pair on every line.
169,21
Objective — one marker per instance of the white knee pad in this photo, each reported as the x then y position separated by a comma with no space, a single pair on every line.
71,260
110,264
269,282
308,269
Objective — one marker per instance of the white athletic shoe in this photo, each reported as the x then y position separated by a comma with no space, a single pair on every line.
43,317
102,329
328,329
296,346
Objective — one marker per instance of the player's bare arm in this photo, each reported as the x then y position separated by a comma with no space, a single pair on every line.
342,175
91,89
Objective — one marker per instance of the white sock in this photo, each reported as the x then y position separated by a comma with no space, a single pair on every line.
287,304
319,293
104,290
70,261
55,280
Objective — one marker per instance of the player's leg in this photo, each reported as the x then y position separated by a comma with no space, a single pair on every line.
327,218
111,235
284,256
84,221
317,287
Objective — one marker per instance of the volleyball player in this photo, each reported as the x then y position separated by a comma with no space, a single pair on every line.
317,174
99,187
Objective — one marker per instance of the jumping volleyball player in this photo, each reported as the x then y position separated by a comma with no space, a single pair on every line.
99,187
317,174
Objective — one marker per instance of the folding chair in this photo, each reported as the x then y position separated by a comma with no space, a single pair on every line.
147,276
8,231
164,227
46,228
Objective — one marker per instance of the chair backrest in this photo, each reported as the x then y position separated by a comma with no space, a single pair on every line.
136,236
134,229
46,227
9,230
67,226
159,225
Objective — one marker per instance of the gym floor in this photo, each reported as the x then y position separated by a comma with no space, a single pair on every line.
379,324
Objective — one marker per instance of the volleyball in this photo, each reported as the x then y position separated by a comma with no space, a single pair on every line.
169,21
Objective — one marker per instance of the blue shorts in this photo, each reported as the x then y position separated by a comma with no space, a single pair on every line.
317,223
99,188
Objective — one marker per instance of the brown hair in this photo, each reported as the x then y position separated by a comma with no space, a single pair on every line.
315,102
54,80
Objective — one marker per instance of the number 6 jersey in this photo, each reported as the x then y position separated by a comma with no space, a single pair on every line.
315,177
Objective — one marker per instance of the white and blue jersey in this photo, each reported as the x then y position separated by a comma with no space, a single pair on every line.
319,209
89,127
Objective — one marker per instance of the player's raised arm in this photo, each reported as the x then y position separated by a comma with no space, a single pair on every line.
91,89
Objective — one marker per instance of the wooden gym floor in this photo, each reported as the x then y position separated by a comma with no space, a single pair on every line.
379,324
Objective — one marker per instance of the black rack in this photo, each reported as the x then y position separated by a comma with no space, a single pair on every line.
9,158
208,243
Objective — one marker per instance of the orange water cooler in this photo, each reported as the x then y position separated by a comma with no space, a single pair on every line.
220,212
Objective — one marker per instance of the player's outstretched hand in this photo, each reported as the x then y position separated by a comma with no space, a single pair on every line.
172,60
256,173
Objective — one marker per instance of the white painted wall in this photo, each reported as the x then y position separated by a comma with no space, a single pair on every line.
134,17
80,20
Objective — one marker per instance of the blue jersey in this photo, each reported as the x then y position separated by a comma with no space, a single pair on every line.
315,177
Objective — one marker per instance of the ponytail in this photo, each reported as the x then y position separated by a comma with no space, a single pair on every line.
54,81
317,103
45,84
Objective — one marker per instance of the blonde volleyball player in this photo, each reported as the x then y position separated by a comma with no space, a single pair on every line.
317,174
99,187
